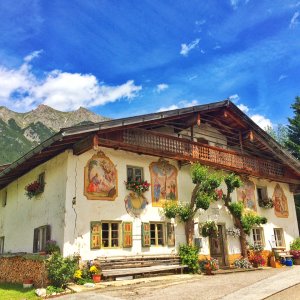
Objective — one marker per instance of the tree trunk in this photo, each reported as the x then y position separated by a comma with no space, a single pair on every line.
243,240
189,231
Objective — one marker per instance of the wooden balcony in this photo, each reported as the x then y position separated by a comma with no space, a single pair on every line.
147,142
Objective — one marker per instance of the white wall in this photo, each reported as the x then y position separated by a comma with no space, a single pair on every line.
20,215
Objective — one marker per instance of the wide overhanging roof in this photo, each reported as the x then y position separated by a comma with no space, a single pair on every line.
67,137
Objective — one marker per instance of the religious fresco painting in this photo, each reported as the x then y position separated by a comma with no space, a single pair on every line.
246,194
100,178
135,204
163,182
280,202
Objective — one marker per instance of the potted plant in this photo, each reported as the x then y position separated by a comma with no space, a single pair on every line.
27,283
208,265
295,251
139,187
33,189
96,274
266,203
209,228
257,260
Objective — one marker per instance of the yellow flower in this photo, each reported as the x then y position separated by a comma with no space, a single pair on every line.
77,274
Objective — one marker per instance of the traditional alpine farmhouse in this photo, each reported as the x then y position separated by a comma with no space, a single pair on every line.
74,188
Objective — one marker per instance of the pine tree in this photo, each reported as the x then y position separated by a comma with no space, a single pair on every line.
293,142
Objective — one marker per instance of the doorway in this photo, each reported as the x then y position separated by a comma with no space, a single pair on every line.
218,246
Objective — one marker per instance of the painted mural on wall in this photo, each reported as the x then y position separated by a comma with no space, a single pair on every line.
246,194
163,182
100,178
280,202
135,204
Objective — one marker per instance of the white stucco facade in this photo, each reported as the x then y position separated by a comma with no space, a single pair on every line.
64,206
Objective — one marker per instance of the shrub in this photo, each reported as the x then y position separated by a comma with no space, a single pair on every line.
170,209
236,208
202,201
53,289
242,263
249,220
184,212
61,270
295,245
189,256
51,247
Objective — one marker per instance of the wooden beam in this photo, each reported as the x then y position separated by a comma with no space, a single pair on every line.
228,114
85,144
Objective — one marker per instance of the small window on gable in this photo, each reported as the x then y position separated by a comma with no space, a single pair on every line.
135,173
41,181
1,244
40,236
4,198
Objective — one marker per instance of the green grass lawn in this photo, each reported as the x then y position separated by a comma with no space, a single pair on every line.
10,291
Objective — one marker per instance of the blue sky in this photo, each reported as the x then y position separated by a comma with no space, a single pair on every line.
122,58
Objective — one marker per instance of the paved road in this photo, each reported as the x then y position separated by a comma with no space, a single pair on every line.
290,293
247,285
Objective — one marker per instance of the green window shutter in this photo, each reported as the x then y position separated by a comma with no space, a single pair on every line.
95,235
170,235
146,234
127,234
35,240
48,233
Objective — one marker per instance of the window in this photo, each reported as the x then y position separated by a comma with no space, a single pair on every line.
41,181
258,236
40,236
4,198
110,233
1,244
157,234
135,173
279,237
107,234
262,194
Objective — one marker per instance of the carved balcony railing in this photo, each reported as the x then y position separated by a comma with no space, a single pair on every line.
148,142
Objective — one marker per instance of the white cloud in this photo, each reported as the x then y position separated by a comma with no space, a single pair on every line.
20,89
186,48
234,98
32,55
180,104
281,77
262,121
243,108
294,20
161,87
234,3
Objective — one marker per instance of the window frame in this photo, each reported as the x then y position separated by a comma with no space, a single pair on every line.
2,240
156,237
134,168
4,198
276,237
254,236
40,236
263,190
110,234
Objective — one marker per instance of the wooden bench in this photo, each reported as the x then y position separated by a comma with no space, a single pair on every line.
113,267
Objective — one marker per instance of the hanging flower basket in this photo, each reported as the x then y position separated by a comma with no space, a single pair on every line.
209,228
33,189
139,187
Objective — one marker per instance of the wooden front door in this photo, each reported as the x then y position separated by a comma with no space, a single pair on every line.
217,246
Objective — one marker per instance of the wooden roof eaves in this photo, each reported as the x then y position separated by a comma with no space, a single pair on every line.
272,144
